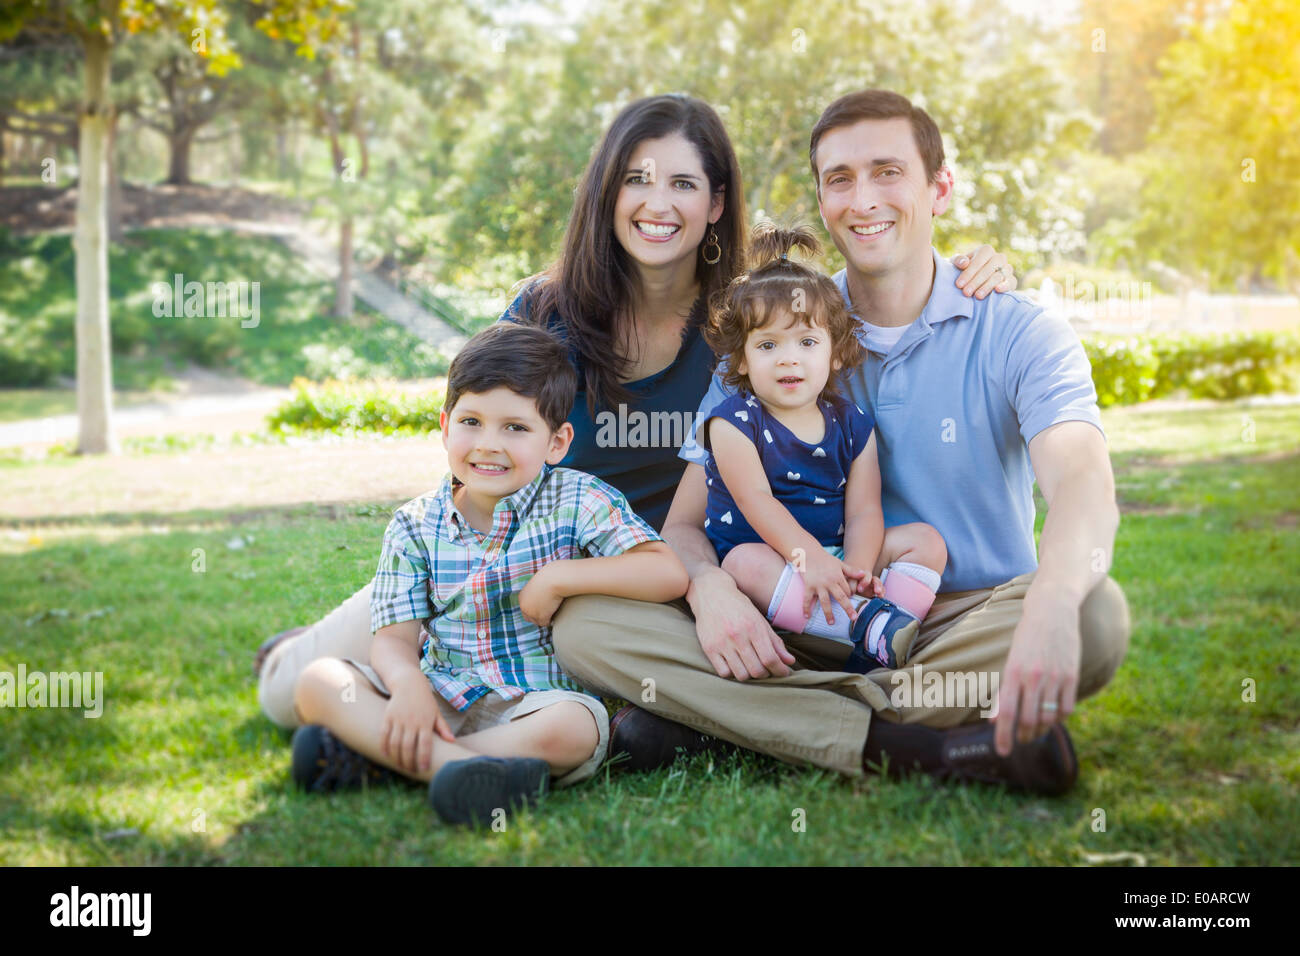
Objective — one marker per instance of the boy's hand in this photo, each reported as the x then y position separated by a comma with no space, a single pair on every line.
540,599
827,578
410,722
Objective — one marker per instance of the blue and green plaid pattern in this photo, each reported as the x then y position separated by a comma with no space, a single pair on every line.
464,585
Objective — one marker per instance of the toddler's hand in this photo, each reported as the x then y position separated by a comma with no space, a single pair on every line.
827,579
871,585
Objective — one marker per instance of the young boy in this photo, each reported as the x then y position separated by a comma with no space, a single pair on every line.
463,689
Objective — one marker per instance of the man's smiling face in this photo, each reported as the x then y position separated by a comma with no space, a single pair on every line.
874,197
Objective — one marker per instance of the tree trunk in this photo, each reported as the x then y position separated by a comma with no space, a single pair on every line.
178,164
94,358
115,198
343,287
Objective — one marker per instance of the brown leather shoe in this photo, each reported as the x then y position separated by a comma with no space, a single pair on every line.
1046,765
269,645
651,742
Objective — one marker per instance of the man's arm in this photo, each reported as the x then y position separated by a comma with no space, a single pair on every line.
734,636
1075,550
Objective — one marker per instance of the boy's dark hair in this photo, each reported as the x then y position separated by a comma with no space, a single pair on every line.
777,285
528,360
880,104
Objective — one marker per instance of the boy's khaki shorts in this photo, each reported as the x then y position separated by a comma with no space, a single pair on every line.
492,709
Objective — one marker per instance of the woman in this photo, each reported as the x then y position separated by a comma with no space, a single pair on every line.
658,224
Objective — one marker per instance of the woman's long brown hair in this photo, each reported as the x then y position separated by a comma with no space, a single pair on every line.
593,283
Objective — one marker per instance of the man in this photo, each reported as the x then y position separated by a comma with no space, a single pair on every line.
972,400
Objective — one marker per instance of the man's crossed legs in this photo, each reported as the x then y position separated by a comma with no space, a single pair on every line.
649,654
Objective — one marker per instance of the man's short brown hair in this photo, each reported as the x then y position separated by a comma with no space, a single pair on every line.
874,105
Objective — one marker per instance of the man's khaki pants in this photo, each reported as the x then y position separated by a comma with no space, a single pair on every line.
649,654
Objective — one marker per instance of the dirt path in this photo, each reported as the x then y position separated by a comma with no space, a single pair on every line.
237,479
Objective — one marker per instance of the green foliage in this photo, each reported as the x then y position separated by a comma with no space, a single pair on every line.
1131,370
295,336
1221,194
1123,370
989,77
356,406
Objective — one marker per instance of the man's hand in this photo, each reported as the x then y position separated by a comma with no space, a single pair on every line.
827,578
980,275
411,719
735,637
539,600
1041,675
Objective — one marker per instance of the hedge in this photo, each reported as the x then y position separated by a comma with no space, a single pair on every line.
356,406
1138,369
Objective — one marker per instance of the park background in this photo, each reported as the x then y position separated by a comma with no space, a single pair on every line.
386,170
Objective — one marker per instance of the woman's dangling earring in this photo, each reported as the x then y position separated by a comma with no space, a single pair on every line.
712,240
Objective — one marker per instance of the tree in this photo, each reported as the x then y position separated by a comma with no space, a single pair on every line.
1223,163
996,87
97,25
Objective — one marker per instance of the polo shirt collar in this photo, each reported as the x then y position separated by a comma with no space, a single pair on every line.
946,300
519,502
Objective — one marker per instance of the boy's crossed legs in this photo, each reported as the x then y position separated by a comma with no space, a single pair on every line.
563,734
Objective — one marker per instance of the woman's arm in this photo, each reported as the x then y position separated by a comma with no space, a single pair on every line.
979,272
735,637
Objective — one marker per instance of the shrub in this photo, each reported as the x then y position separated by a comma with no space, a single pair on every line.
356,406
1130,370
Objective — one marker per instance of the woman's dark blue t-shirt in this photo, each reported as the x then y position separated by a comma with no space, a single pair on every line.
634,446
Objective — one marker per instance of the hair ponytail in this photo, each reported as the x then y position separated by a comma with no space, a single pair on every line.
771,288
770,244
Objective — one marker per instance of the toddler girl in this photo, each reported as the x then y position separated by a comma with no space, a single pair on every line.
793,480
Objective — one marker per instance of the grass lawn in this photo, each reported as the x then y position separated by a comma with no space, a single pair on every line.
17,404
294,336
182,767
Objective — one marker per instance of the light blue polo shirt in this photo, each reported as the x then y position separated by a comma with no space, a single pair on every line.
956,401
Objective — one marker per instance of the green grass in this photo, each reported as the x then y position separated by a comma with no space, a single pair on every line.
295,334
1185,770
18,404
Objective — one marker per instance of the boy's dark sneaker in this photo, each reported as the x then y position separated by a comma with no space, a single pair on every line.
651,742
471,791
322,763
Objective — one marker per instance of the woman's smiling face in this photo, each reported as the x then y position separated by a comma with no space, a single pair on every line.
665,203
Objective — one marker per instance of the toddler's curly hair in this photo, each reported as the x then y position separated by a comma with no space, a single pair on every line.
777,286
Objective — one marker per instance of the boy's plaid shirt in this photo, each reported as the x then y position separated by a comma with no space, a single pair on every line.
464,586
